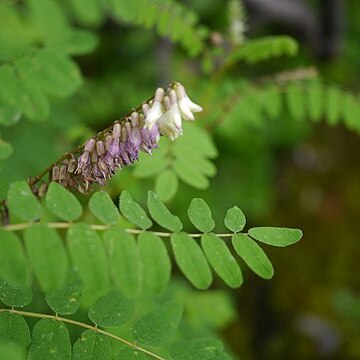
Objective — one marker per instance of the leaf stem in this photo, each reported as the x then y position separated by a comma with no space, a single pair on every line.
87,326
99,227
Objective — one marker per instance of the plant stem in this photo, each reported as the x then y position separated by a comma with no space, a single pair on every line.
99,227
90,327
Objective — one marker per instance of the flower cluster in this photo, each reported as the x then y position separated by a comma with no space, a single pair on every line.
102,156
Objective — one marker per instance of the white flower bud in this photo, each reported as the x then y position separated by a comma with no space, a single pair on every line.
155,112
187,107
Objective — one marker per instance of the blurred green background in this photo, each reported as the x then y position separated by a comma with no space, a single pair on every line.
283,165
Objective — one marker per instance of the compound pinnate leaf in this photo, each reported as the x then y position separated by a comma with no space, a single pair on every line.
15,296
197,349
103,208
253,255
128,353
276,236
14,328
235,219
50,341
47,255
191,260
22,202
155,260
89,256
66,301
63,203
133,211
113,309
200,215
221,260
161,214
166,185
13,265
124,260
92,346
159,326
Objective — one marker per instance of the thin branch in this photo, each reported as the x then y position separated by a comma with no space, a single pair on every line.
86,326
65,225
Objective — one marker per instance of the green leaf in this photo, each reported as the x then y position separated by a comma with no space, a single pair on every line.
133,211
271,101
50,341
190,175
13,266
221,260
150,165
92,346
276,236
12,94
63,203
89,12
263,48
191,260
128,353
166,185
200,215
124,260
55,73
314,97
14,296
14,328
295,101
159,326
66,301
103,208
197,139
10,351
9,114
80,42
253,255
48,19
161,214
112,310
22,202
35,103
125,10
47,255
197,349
5,149
333,105
88,254
235,219
155,261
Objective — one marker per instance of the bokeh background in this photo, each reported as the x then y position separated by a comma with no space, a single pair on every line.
281,165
